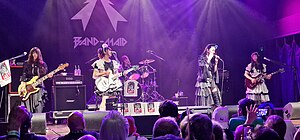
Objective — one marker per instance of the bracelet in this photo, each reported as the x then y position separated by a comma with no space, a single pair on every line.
13,133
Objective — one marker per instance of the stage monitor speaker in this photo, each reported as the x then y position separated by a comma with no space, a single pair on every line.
292,111
93,119
69,97
38,123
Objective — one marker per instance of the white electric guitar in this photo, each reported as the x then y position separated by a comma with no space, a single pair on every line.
112,82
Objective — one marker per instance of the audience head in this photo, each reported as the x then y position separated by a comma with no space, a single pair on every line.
217,130
277,124
164,126
168,108
87,137
168,137
114,127
132,127
76,121
243,103
264,133
19,119
200,127
183,114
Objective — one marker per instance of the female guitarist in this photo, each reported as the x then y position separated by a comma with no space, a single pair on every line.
256,73
35,66
105,68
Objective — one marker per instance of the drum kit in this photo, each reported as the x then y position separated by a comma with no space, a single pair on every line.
146,78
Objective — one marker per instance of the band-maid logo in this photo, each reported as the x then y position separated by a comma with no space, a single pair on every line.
87,41
85,13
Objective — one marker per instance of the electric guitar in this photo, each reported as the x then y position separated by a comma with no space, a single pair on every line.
259,78
30,87
112,82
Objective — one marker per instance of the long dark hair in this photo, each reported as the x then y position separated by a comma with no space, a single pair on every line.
39,57
257,65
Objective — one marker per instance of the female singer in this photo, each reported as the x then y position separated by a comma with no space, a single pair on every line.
207,92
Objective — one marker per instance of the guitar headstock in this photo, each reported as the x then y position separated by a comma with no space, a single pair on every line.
281,70
63,66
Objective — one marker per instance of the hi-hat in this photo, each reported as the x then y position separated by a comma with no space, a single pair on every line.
146,61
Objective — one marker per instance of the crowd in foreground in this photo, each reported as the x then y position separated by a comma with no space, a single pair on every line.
170,125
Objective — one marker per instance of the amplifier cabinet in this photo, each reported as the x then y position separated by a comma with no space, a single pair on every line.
69,97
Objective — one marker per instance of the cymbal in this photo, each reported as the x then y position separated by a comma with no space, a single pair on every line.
146,61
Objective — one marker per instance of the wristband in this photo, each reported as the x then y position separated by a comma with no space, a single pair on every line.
13,133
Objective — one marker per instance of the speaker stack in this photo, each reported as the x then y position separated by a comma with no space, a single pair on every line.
69,94
9,93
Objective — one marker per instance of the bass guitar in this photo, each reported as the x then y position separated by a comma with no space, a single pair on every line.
30,87
259,79
112,82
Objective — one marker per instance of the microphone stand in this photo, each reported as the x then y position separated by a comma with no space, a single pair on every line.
92,59
18,56
152,53
222,81
121,92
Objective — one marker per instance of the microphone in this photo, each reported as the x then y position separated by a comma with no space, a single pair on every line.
149,51
218,57
113,52
265,58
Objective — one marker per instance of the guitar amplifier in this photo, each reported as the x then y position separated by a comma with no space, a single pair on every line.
16,73
60,80
69,97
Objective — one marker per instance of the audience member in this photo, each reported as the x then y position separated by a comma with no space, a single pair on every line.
168,109
87,137
114,127
200,127
183,114
276,123
164,126
265,133
290,128
133,135
168,137
218,131
242,130
76,124
19,123
242,113
183,126
270,107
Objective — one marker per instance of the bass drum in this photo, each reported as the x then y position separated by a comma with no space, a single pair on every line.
132,91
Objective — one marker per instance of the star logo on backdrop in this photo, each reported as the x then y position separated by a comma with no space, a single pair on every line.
85,13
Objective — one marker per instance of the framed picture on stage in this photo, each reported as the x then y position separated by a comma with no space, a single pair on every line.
131,88
137,108
151,108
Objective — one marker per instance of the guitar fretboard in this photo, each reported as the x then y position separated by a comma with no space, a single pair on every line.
40,80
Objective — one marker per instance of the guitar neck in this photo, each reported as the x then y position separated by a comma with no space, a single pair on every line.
40,80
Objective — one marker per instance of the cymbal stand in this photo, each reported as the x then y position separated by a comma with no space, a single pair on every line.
155,95
145,96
